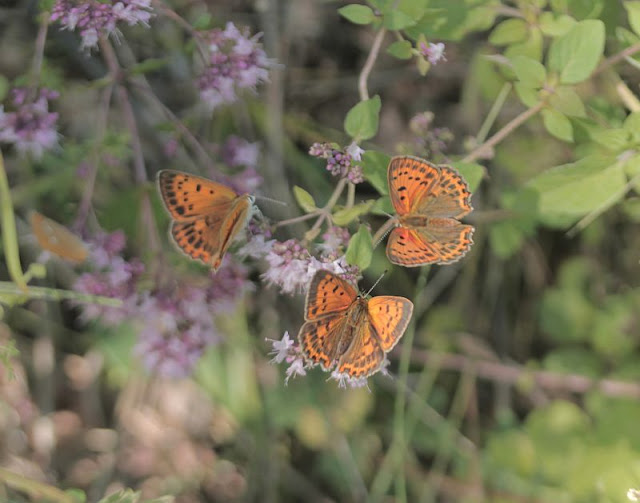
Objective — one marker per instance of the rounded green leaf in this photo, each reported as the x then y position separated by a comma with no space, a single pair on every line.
557,124
529,71
401,49
361,122
343,216
397,20
304,199
555,26
576,54
360,250
566,100
509,32
374,169
526,94
357,14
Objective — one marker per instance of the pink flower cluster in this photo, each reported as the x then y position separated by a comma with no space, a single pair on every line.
433,52
429,142
291,266
93,18
286,350
31,128
235,62
340,163
177,325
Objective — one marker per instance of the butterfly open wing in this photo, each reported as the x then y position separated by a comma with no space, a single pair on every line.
188,196
443,242
410,179
364,355
389,316
319,339
328,294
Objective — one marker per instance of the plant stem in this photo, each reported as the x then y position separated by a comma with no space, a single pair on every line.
39,292
368,65
9,234
504,132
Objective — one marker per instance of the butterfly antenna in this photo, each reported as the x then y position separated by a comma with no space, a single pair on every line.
271,200
376,283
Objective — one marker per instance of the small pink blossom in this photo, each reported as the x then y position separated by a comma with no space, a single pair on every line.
236,62
433,52
31,128
340,163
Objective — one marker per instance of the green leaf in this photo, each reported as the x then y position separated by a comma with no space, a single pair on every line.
123,496
374,168
526,94
632,124
397,20
529,71
383,206
473,173
361,122
360,250
555,26
506,236
358,14
575,55
633,11
401,49
304,199
571,191
566,100
615,139
343,216
531,47
557,124
509,32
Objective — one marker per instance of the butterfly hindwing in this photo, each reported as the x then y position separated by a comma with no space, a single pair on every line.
364,356
328,294
319,339
409,180
187,196
389,316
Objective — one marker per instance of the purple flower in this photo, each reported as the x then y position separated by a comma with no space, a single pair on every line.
429,141
334,241
287,350
340,163
237,151
31,128
93,18
433,52
235,62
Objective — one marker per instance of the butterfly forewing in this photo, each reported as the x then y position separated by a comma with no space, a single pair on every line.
328,294
57,239
448,197
187,196
410,179
389,316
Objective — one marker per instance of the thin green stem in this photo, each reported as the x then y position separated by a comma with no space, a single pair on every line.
9,234
368,65
36,490
493,113
39,292
486,147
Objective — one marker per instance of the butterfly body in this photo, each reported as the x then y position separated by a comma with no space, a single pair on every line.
428,200
207,215
347,332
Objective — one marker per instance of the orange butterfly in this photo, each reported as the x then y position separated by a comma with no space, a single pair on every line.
347,331
57,239
428,199
206,215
